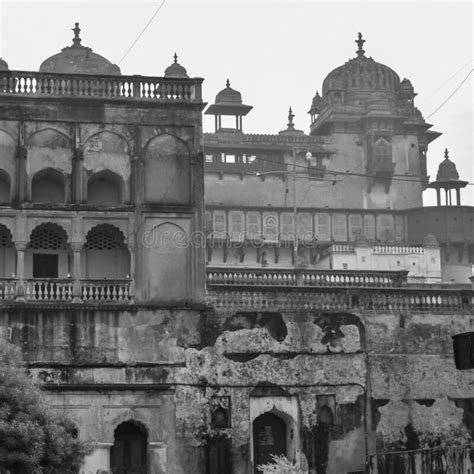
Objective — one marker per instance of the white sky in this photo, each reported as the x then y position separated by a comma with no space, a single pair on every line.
276,54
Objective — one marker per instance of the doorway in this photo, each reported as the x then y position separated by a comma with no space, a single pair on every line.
45,265
269,437
128,455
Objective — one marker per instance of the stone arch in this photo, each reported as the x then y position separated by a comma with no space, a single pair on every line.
105,188
167,170
104,133
105,253
130,448
46,255
51,138
166,251
5,186
49,186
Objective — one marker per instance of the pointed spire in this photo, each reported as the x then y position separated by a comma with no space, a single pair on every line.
227,83
291,115
77,39
360,43
446,154
175,58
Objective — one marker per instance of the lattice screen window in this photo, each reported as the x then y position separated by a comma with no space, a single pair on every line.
104,238
47,238
5,237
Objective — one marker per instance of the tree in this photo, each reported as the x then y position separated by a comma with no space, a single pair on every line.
32,437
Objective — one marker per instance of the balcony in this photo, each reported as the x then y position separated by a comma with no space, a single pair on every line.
84,86
54,290
314,278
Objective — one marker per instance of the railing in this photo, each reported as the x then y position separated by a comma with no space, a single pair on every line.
39,84
111,291
318,278
339,299
400,249
7,288
269,138
47,289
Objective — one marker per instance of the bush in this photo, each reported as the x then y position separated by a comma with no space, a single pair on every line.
32,436
280,465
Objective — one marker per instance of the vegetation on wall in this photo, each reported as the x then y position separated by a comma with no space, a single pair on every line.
32,437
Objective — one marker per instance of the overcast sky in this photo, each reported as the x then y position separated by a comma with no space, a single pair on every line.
276,54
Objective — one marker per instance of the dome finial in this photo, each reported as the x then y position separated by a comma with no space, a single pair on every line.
175,58
360,43
446,154
227,83
76,40
291,116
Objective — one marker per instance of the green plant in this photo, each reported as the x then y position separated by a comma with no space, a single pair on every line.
282,465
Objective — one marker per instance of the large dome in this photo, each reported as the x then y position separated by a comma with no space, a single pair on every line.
362,74
78,59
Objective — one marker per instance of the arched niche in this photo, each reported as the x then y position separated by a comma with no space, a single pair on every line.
48,148
105,254
47,253
48,186
129,452
108,151
105,188
166,256
7,253
167,171
5,187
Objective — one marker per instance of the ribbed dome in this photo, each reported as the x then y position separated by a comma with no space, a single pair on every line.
447,169
362,74
3,65
78,59
228,95
176,70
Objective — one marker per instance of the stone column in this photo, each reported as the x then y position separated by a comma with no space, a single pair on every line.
131,250
77,271
20,270
458,196
21,174
157,456
98,460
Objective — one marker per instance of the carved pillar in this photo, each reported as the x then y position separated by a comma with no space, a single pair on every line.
131,249
77,178
77,271
438,196
20,194
20,270
458,196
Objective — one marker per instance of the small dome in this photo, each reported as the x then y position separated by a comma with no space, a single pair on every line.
3,65
362,74
228,95
447,169
406,85
316,103
176,70
78,59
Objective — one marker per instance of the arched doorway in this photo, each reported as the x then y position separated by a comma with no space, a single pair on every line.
269,437
128,455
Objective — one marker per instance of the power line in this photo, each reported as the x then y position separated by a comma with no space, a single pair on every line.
447,80
143,31
454,92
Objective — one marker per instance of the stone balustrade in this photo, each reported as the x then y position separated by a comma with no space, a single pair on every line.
39,84
47,289
234,298
110,291
315,278
7,288
398,249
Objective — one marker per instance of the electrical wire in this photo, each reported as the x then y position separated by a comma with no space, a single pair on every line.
451,95
143,31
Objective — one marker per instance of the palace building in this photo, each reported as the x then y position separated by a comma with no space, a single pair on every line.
196,302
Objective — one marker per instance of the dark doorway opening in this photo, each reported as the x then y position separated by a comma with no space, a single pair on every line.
128,455
269,437
45,265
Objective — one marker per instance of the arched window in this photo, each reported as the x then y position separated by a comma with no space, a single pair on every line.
106,254
48,186
383,150
4,187
129,453
7,253
47,251
105,189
